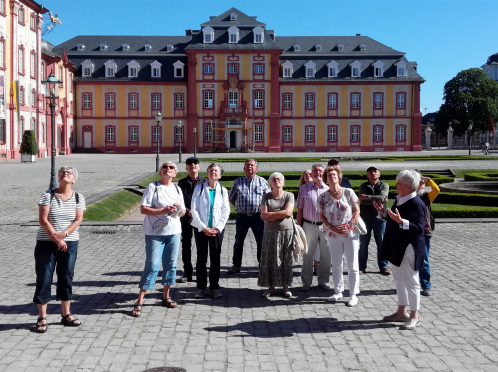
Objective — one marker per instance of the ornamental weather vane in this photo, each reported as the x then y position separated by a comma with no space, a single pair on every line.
49,22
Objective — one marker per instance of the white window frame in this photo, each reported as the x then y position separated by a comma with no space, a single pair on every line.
87,100
400,132
233,35
110,68
103,46
208,68
402,101
133,102
110,133
310,68
297,48
355,100
340,47
133,134
355,133
208,99
233,16
355,69
377,133
156,100
178,101
233,99
258,69
258,33
147,47
169,47
258,132
125,47
80,46
110,101
318,47
208,35
287,69
178,133
310,133
310,101
376,95
155,69
401,68
178,66
332,133
332,67
378,69
258,99
156,134
332,100
233,68
208,133
363,47
87,68
287,135
287,101
133,68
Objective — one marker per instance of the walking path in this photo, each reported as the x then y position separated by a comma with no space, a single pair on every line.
242,331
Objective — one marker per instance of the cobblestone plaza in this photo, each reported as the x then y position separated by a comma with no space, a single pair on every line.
242,331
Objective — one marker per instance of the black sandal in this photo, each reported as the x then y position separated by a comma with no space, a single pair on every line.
137,309
39,325
169,304
70,323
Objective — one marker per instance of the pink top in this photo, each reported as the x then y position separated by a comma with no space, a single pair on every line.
306,199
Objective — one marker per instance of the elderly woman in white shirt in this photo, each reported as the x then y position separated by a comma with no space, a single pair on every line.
210,211
162,205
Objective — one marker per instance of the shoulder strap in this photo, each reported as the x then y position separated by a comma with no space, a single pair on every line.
202,189
177,190
52,196
77,196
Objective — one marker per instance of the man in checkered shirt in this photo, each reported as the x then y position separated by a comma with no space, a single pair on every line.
245,195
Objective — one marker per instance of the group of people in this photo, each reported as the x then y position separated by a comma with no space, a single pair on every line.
333,223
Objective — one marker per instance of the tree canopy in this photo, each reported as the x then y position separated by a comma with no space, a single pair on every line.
470,97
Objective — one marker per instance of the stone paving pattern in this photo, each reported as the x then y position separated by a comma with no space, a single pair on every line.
242,331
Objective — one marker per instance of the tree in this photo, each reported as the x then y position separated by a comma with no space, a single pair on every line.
28,144
470,97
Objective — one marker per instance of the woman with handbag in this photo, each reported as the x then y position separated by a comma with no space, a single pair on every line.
339,213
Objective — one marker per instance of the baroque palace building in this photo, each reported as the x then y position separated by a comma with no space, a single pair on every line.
240,88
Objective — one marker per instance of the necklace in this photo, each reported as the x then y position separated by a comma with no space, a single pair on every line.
335,193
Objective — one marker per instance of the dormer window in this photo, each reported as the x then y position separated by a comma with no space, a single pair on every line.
310,69
340,47
355,69
169,47
147,47
318,47
133,68
401,67
233,35
297,47
332,68
287,69
110,68
208,33
363,47
126,47
155,71
378,69
233,17
80,46
258,34
178,66
87,68
103,46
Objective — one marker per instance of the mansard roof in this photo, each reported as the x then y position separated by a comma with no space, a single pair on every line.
220,41
329,45
223,20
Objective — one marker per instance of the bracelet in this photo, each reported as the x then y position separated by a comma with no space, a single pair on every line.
66,233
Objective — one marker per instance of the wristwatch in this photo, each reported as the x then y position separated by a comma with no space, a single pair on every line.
66,233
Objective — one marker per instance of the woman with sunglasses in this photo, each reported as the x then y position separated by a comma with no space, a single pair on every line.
60,215
162,205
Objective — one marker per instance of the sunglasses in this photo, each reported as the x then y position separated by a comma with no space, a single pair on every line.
66,172
168,167
192,163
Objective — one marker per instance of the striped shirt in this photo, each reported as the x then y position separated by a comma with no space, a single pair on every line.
61,214
247,194
306,200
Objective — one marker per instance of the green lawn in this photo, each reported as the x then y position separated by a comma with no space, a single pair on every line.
112,207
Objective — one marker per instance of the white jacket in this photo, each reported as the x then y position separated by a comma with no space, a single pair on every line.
201,204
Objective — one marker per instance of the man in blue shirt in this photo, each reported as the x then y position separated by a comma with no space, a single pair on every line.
245,195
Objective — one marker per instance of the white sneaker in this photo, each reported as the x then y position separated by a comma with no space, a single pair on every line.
199,293
288,293
335,297
353,301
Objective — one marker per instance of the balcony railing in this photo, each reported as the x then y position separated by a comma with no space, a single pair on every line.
234,110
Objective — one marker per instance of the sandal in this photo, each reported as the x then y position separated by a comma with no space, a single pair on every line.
39,326
169,304
137,310
70,323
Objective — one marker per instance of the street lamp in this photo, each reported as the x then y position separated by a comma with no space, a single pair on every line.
158,116
52,99
470,134
180,138
195,142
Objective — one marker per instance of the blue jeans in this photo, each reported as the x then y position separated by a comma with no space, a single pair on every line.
243,223
378,228
425,272
157,248
49,259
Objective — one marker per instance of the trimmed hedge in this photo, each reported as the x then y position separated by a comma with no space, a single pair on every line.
481,177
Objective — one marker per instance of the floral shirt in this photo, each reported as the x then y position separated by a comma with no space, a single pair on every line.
337,212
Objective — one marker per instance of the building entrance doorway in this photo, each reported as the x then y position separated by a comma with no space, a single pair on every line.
233,139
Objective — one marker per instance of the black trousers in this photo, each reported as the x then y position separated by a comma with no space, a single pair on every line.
212,245
187,234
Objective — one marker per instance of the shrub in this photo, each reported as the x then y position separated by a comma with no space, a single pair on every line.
481,177
28,144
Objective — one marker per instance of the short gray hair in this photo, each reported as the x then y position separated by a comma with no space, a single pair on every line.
212,165
317,165
409,177
254,160
173,164
75,172
276,174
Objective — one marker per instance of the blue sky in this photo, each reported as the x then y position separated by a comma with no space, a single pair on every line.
443,36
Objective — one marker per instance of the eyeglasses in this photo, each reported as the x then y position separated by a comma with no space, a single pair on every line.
192,163
168,167
66,172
